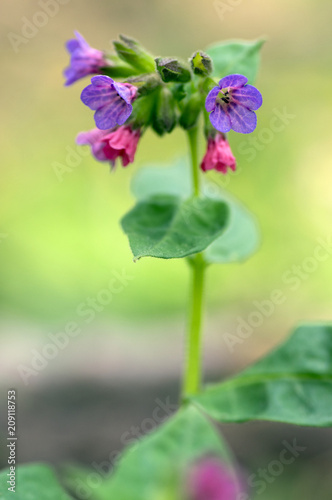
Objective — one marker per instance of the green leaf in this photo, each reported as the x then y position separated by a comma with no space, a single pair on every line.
155,468
240,239
34,481
167,227
171,179
293,384
236,56
241,236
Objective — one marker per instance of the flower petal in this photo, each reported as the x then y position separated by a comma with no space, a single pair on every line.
242,119
123,91
210,101
112,114
90,137
248,96
96,97
233,81
220,119
124,114
72,45
81,40
102,81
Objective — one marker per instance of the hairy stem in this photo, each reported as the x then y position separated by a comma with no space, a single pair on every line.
192,136
193,362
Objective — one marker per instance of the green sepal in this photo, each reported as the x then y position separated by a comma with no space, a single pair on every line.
164,116
172,70
117,68
130,51
201,63
191,110
143,111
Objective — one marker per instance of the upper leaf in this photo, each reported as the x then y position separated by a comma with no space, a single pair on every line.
35,481
155,468
167,227
241,236
236,56
293,384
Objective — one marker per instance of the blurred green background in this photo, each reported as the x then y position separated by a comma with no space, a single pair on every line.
63,238
60,242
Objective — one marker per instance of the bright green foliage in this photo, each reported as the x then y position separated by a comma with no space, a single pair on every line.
241,236
240,240
155,469
33,482
293,384
167,227
240,57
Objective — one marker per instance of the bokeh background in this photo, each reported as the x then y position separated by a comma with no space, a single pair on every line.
60,240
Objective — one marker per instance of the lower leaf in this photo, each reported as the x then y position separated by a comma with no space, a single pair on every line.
293,384
155,468
33,481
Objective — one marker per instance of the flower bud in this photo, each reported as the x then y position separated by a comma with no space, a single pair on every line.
143,109
191,110
178,90
133,53
210,479
201,63
218,155
164,118
172,70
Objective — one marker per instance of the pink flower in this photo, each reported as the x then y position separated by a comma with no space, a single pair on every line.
108,145
211,480
218,155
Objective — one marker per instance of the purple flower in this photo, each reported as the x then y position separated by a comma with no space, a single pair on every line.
232,104
111,101
210,479
84,60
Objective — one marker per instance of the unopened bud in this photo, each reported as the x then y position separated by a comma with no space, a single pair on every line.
191,111
201,63
164,118
172,70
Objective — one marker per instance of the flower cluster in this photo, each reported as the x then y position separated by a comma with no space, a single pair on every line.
161,93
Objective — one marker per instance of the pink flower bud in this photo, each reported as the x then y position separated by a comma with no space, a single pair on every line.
108,145
210,479
218,155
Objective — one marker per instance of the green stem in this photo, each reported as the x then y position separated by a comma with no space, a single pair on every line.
193,369
193,362
192,136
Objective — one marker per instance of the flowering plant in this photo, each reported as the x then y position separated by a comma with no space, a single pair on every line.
179,214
